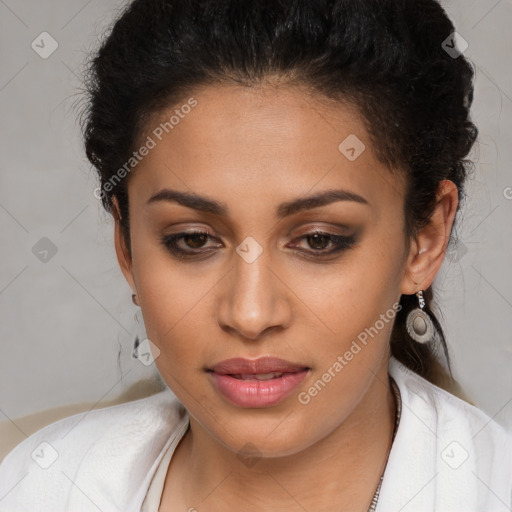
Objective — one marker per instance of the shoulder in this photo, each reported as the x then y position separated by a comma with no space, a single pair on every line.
457,451
100,444
446,409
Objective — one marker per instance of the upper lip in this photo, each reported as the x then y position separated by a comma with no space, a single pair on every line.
262,365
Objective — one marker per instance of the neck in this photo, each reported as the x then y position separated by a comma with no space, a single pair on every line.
212,477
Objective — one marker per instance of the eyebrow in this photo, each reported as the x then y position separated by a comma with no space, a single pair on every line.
207,205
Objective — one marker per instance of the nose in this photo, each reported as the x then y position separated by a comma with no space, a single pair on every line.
253,300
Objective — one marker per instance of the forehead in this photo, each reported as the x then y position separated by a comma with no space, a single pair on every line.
260,143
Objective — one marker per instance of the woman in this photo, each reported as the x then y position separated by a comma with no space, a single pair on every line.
284,178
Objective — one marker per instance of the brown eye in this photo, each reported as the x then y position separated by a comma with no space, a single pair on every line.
188,244
195,240
318,241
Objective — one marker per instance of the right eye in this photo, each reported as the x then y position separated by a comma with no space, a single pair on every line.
187,243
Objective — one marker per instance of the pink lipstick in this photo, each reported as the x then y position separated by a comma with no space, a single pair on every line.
257,383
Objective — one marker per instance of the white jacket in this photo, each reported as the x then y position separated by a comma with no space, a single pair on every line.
447,456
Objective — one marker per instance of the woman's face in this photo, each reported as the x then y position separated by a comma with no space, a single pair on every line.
256,284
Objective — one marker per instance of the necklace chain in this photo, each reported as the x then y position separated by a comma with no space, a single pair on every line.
398,398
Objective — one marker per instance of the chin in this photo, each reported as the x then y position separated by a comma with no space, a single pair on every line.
256,439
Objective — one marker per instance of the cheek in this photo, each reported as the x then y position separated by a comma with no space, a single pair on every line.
358,302
163,294
172,312
176,301
164,284
351,295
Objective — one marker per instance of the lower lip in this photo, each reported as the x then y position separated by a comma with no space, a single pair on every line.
257,393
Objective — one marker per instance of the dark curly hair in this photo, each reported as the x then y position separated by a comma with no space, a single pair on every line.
386,57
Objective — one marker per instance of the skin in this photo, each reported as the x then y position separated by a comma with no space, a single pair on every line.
253,149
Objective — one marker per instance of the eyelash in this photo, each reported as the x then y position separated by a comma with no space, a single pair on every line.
340,242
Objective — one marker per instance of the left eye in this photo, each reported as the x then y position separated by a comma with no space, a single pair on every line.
319,241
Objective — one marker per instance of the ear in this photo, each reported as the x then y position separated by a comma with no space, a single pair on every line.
123,255
428,249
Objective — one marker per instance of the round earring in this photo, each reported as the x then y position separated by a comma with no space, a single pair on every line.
134,299
418,323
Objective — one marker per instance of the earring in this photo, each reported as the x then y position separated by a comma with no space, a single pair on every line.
418,323
140,335
134,299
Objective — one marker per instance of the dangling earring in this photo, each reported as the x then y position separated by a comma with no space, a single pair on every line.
140,335
137,340
418,323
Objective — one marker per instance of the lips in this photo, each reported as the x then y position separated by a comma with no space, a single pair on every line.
260,368
263,382
257,376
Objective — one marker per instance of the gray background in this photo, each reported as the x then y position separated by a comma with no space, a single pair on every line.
63,321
